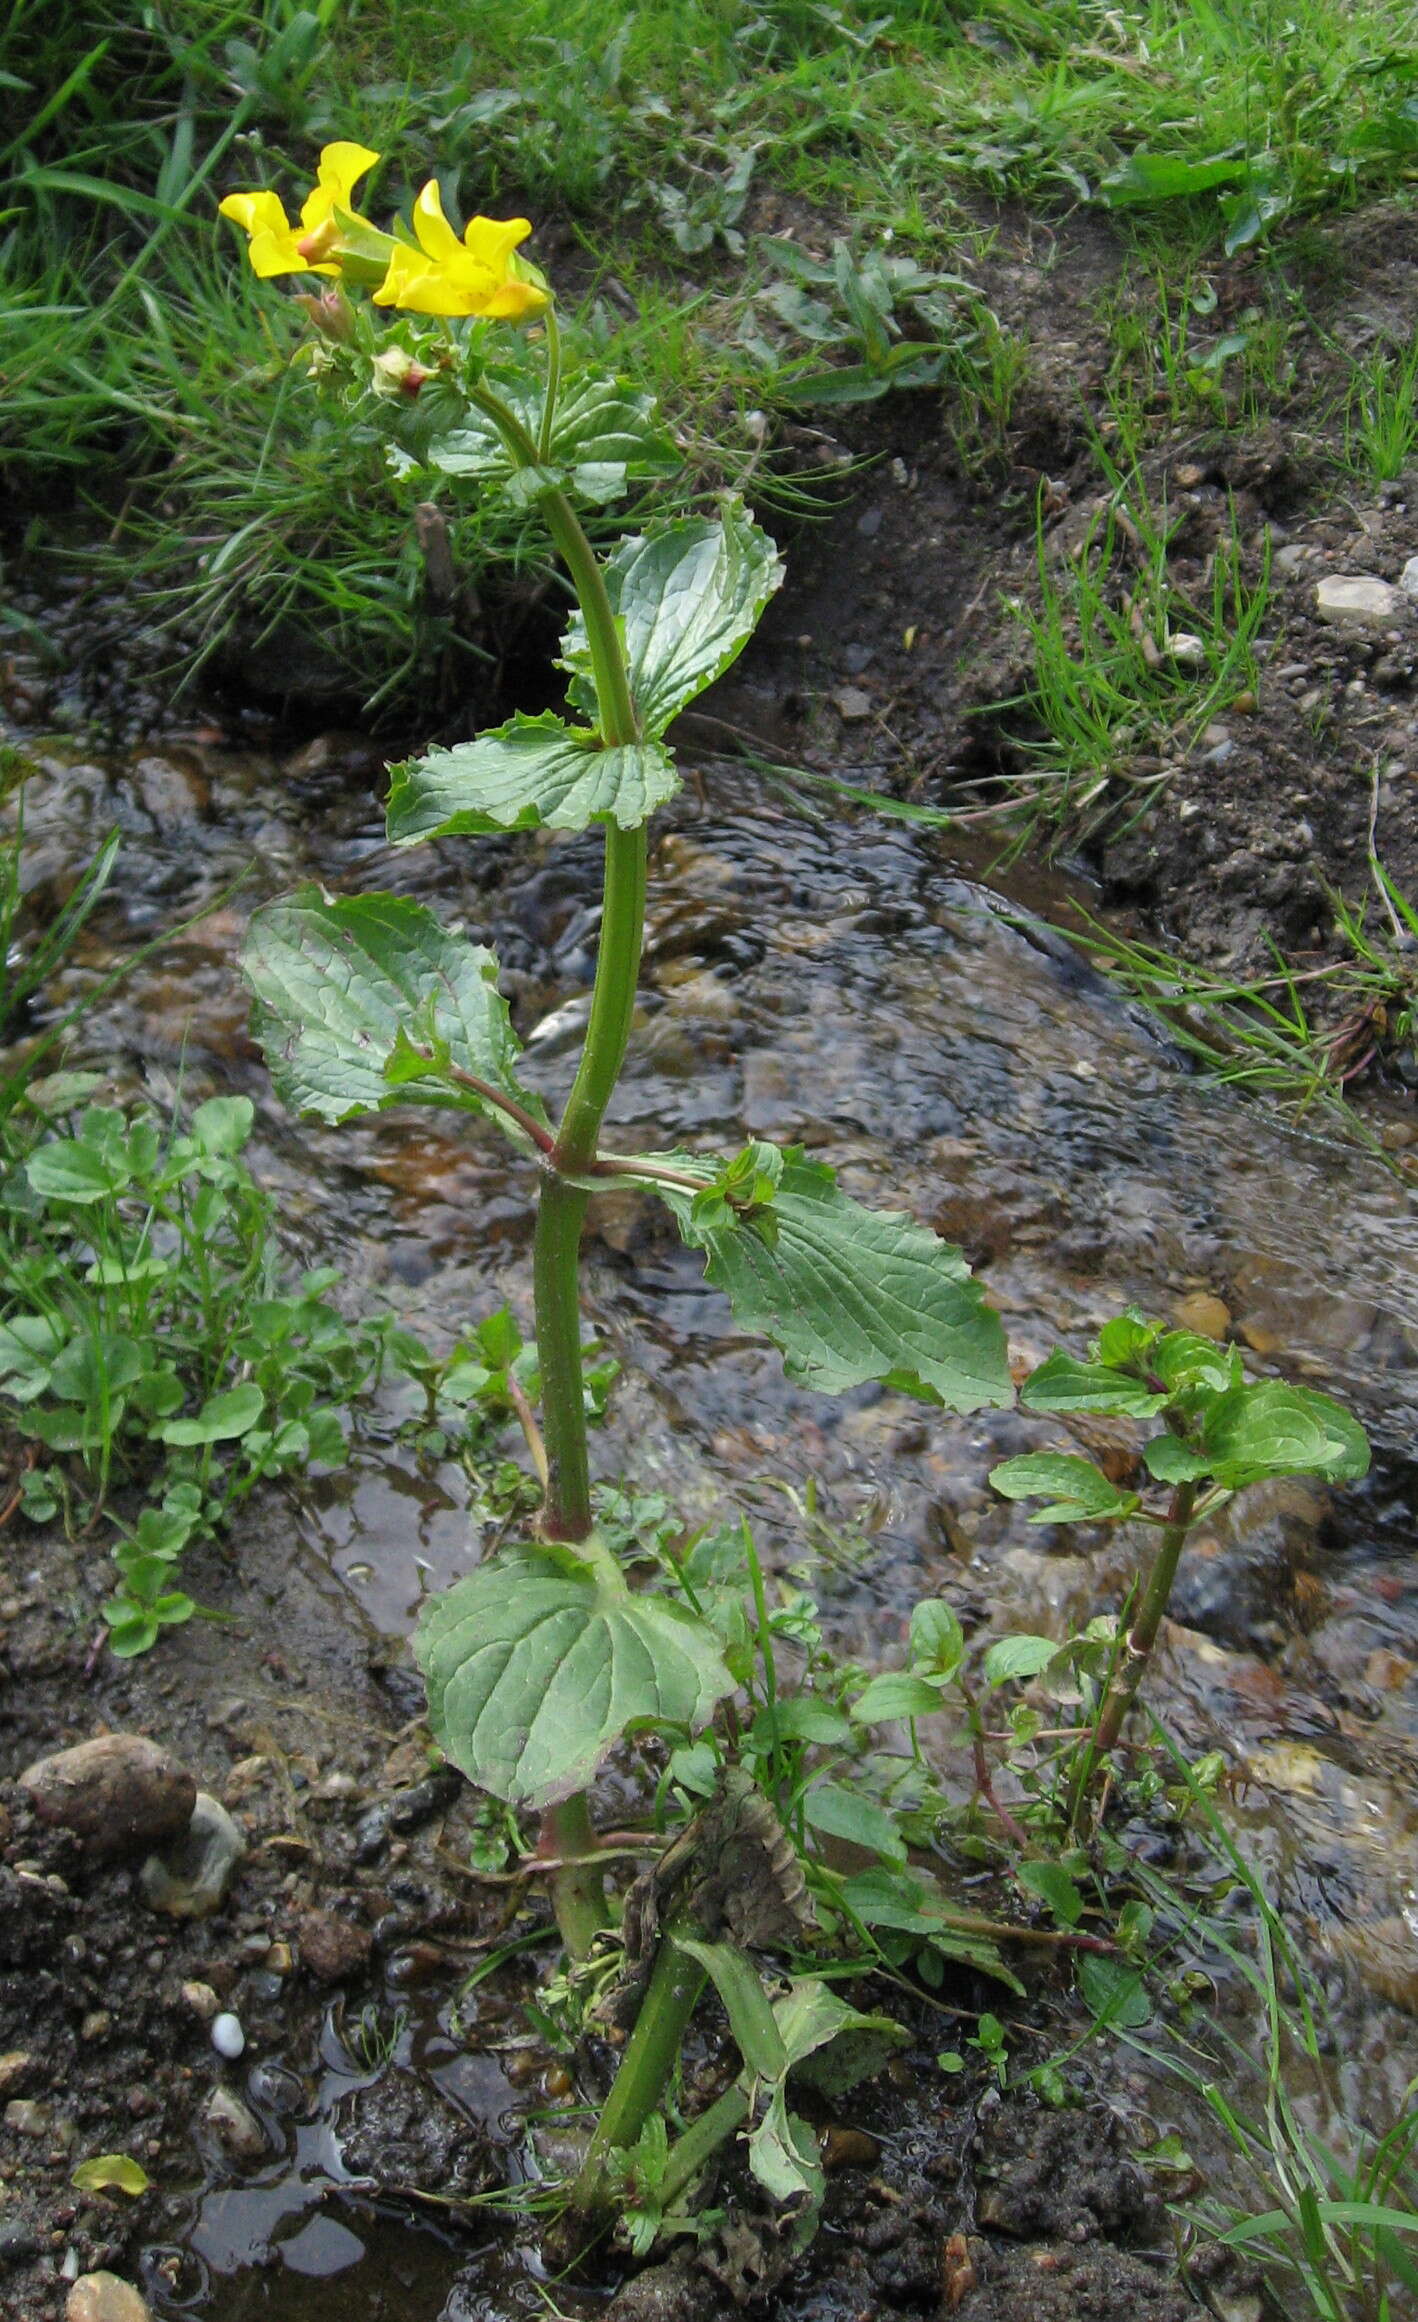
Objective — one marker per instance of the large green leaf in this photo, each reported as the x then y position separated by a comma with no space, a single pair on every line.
688,593
348,990
1271,1429
604,439
541,1658
531,774
851,1294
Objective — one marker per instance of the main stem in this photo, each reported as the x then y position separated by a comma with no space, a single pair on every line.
650,2055
1137,1650
578,1894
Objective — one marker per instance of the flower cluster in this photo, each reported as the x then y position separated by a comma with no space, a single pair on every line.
430,272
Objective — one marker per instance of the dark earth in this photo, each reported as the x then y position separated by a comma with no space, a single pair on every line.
880,663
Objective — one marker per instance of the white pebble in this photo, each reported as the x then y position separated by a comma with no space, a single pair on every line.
228,2037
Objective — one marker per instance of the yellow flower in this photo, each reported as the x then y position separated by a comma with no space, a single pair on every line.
478,275
277,247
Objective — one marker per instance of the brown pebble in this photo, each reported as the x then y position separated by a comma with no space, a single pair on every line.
105,2298
1204,1313
1260,1340
957,2271
849,2148
17,2066
118,1793
330,1947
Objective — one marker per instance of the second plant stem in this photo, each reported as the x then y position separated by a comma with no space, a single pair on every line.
1137,1650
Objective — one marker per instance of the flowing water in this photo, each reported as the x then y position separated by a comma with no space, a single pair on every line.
864,990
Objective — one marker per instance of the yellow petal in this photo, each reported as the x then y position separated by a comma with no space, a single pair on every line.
491,241
341,167
273,244
414,284
255,213
436,237
513,301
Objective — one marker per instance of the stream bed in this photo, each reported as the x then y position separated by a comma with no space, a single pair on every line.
872,992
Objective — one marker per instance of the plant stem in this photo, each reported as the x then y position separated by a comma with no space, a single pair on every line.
650,2056
577,1885
578,1894
701,2140
1137,1649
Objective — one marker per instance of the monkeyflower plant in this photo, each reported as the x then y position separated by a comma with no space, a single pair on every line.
541,1659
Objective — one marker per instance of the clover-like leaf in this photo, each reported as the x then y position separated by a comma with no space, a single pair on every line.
531,774
687,593
1077,1492
353,995
543,1657
851,1294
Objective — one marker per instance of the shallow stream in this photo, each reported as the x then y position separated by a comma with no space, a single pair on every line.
866,990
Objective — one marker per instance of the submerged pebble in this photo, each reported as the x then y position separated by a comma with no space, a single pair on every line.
228,2038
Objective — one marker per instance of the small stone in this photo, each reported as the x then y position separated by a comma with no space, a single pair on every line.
97,2025
1408,578
191,1878
17,2066
1186,650
1357,601
116,1793
228,2038
849,2148
1200,1311
105,2298
27,2117
18,2243
1260,1340
202,2000
280,1959
1188,475
851,704
235,2126
330,1947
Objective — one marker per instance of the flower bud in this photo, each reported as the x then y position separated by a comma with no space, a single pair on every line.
396,372
331,315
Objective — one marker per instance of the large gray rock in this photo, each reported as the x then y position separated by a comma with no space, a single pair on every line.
116,1794
1357,601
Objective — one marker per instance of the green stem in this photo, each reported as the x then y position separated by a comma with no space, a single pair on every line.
577,1887
701,2140
1137,1649
650,2056
561,1210
556,1247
